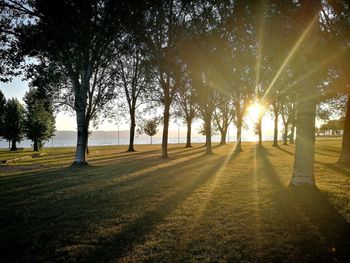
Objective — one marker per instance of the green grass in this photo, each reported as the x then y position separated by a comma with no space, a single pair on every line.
135,207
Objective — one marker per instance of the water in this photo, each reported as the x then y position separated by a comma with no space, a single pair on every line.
123,141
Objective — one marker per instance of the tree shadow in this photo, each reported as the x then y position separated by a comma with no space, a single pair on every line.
307,210
133,234
284,150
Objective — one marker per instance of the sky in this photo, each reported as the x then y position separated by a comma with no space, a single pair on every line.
66,121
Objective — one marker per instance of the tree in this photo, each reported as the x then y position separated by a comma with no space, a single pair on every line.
288,115
136,81
185,104
336,20
2,113
81,39
150,127
13,122
223,116
303,170
160,34
39,121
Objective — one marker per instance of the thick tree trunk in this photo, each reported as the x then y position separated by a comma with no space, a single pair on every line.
82,138
223,134
35,145
303,170
132,131
208,134
165,129
239,135
275,131
345,150
188,136
13,146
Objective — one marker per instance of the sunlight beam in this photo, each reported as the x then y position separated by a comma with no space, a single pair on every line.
290,55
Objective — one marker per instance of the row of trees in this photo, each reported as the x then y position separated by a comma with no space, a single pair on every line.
35,121
207,59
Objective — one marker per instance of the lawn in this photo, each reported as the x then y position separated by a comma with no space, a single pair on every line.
136,207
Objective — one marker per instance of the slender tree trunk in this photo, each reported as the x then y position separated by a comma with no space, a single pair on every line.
275,131
132,131
285,135
208,134
292,133
150,139
188,136
165,129
260,131
239,135
35,146
345,150
13,147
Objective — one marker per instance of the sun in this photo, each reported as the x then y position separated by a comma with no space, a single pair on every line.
254,111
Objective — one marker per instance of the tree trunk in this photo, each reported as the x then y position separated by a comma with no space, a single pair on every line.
292,133
132,131
208,134
82,138
35,146
275,131
223,136
13,147
239,135
150,139
285,135
165,129
188,137
303,170
259,131
345,149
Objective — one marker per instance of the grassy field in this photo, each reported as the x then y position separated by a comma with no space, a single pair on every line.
135,207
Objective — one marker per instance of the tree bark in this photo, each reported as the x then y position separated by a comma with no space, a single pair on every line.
292,132
82,137
345,150
188,136
35,146
239,135
132,131
259,131
13,146
303,170
165,129
285,135
275,131
223,136
208,134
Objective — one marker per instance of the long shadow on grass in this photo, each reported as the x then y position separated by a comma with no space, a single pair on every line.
81,204
336,168
135,232
38,182
284,150
302,206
